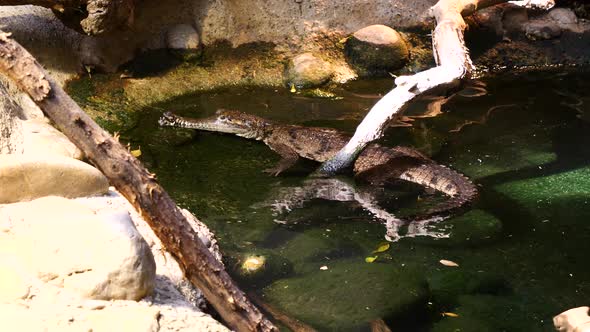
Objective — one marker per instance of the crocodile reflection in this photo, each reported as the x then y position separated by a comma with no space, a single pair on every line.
287,199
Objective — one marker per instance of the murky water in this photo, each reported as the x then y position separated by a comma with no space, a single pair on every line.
522,249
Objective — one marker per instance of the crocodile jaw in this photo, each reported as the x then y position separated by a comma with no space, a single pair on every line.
214,123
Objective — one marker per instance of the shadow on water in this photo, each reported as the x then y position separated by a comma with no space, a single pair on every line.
521,249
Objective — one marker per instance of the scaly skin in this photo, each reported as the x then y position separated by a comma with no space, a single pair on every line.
375,164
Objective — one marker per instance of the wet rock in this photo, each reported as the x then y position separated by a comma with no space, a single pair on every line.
96,256
563,16
347,295
306,70
573,320
542,30
553,24
259,267
40,138
26,177
376,48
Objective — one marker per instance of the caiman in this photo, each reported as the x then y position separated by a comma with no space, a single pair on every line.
375,164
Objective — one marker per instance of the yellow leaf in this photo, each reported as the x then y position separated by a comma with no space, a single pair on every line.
370,259
136,153
448,263
450,314
293,89
382,247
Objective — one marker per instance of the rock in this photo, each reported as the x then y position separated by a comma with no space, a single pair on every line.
132,317
40,138
15,283
563,16
552,24
172,287
184,43
182,37
183,319
376,48
259,267
129,318
95,256
306,70
26,177
573,320
542,30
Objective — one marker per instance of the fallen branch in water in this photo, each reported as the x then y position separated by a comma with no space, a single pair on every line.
138,185
453,66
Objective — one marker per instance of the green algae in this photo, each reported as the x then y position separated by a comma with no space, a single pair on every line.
520,249
330,300
103,98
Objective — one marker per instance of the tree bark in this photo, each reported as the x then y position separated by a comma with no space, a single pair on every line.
453,66
93,17
137,184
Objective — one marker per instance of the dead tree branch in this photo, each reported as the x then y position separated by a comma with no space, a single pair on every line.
137,184
453,65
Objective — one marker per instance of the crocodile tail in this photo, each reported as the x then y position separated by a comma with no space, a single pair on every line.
456,185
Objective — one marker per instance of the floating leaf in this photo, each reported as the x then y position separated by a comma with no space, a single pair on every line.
448,263
450,314
136,153
370,259
382,247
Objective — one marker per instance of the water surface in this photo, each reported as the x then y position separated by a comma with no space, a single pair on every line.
522,249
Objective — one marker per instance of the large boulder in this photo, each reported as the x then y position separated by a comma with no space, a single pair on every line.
40,138
573,320
62,242
306,70
376,48
26,177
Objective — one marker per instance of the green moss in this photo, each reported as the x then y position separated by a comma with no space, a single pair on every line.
314,246
561,197
103,98
495,313
447,284
330,300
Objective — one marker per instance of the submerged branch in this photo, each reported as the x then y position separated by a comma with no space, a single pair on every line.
453,66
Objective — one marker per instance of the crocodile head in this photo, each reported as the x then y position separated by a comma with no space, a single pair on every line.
224,121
